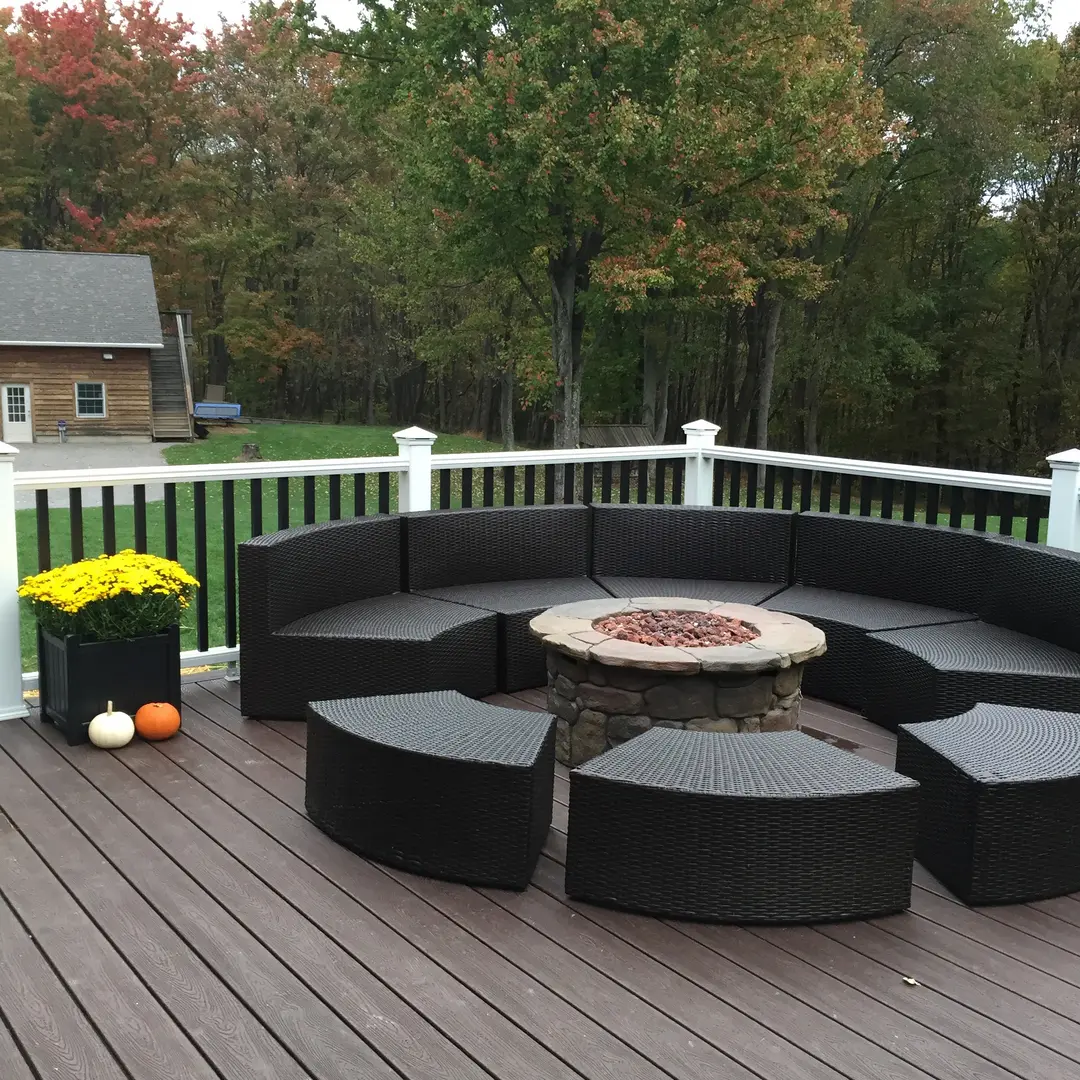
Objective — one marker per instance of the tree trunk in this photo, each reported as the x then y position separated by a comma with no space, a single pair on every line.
506,409
217,369
767,372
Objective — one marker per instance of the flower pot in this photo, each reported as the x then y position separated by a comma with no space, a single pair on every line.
77,677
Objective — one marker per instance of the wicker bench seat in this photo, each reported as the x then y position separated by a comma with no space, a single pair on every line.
932,672
520,663
842,674
1000,801
436,783
774,827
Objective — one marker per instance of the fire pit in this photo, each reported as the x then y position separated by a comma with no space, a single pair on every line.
619,667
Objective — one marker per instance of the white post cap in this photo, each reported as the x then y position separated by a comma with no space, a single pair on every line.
701,427
7,448
415,436
1066,459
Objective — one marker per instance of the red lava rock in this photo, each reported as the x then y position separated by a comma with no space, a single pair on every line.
688,629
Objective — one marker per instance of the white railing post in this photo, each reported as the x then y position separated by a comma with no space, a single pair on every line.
414,485
1063,526
698,487
12,704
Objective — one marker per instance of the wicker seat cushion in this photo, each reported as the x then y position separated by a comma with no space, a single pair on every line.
1000,817
519,597
770,827
733,592
977,647
400,617
859,611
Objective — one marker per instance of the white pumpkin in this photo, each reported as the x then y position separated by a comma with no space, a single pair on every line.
111,730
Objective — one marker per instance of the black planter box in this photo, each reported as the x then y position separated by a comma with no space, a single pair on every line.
77,678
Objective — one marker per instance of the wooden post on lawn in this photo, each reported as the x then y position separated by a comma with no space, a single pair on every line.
698,490
414,486
12,704
1063,527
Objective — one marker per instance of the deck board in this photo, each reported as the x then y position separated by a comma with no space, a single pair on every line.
169,912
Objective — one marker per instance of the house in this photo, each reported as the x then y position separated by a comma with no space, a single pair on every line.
82,349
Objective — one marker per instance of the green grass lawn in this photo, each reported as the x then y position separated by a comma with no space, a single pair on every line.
284,442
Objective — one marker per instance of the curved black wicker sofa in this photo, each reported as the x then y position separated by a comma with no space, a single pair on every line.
922,621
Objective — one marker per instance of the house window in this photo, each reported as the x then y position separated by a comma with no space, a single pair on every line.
89,400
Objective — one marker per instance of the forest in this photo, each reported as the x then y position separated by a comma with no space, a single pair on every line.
848,227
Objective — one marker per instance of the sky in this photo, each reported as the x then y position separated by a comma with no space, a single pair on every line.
204,13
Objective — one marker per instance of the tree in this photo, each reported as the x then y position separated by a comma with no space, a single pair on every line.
664,135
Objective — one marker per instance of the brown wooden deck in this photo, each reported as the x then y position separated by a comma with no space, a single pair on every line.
168,913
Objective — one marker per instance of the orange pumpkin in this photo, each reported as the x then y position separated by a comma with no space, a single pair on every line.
157,720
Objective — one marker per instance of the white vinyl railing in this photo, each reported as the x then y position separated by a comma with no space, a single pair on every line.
697,461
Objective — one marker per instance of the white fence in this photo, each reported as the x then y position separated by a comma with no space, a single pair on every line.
699,468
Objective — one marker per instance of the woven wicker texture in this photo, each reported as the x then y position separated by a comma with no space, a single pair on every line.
521,661
315,567
733,592
505,543
388,644
776,827
435,783
840,675
1000,813
900,560
724,543
928,673
1035,590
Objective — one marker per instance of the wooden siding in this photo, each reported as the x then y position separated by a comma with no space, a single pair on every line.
53,372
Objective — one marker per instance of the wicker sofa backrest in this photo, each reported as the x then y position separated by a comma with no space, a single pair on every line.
295,572
500,543
897,560
715,543
1035,590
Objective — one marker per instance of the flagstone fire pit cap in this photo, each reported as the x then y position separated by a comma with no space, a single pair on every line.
784,639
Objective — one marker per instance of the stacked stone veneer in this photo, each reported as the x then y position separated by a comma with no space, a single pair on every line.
599,706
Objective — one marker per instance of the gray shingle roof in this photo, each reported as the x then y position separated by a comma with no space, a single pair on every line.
77,298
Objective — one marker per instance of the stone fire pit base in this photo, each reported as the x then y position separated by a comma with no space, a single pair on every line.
599,707
605,690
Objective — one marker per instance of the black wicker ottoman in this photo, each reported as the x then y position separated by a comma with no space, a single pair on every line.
771,827
1000,807
436,783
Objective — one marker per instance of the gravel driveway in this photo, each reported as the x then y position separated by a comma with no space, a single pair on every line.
88,454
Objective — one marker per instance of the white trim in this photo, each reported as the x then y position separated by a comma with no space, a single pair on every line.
185,474
886,470
556,457
85,344
104,414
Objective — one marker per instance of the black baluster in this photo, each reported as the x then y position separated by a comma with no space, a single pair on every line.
139,496
75,522
787,488
359,496
806,489
466,488
910,496
643,481
866,496
933,502
718,483
845,493
678,467
660,487
108,520
489,487
587,483
309,500
568,483
202,594
283,502
956,508
751,485
228,540
255,488
605,482
1008,509
549,485
825,493
509,484
1034,517
887,498
735,488
530,485
384,493
44,547
625,468
769,498
172,547
335,497
980,509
